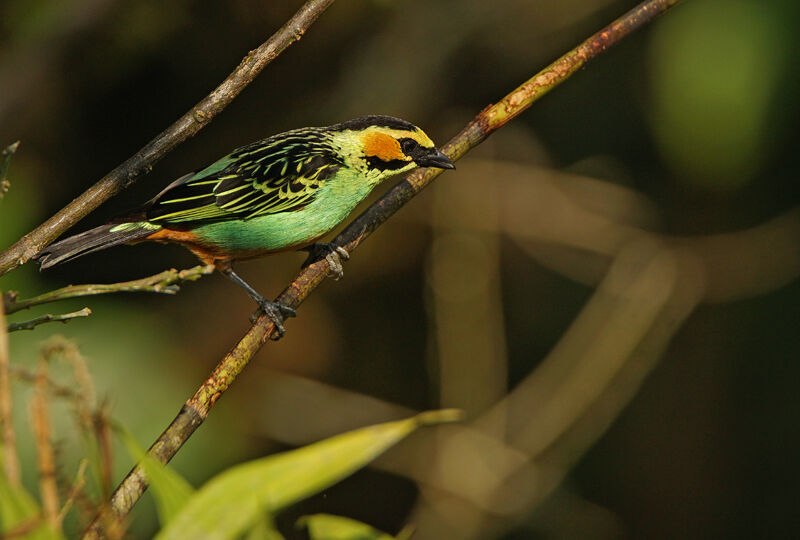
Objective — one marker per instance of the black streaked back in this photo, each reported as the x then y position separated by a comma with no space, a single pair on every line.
278,174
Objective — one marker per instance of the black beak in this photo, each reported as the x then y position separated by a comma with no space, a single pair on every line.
434,158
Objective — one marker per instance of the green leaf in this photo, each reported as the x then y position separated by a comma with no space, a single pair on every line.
264,529
329,527
18,508
233,501
170,490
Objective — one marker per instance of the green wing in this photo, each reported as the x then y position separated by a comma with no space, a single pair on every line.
279,174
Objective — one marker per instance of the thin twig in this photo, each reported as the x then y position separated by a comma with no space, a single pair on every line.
102,432
10,458
44,449
5,159
84,395
165,282
54,388
490,119
49,317
86,402
186,126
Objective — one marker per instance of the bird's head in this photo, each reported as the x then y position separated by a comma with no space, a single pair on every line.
384,146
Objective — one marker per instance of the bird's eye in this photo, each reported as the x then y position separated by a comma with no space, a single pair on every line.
408,145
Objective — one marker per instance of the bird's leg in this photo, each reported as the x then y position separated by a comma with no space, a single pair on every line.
276,312
330,252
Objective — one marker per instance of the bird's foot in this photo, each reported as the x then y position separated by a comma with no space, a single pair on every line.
330,252
276,312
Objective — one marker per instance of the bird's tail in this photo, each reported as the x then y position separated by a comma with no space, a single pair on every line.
102,237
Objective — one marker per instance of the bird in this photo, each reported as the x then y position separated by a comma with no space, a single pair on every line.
277,194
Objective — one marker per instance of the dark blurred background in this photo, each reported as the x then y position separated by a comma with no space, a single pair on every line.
687,129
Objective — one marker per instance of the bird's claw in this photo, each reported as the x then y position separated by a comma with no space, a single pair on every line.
332,253
277,313
335,258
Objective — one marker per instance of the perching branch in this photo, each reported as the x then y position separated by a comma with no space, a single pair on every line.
492,118
33,323
186,126
165,282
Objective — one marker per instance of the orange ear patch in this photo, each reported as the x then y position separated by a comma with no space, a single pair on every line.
382,146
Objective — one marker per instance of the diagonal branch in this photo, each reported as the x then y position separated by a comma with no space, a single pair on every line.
186,126
489,120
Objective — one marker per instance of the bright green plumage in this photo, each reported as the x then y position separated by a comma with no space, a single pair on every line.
283,192
269,232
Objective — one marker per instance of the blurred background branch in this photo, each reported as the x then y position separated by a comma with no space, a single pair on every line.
10,459
556,216
45,455
533,436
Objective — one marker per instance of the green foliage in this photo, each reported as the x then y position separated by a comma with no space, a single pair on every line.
329,527
264,529
18,508
717,66
232,502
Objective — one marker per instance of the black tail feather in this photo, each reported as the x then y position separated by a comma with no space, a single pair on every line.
101,237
